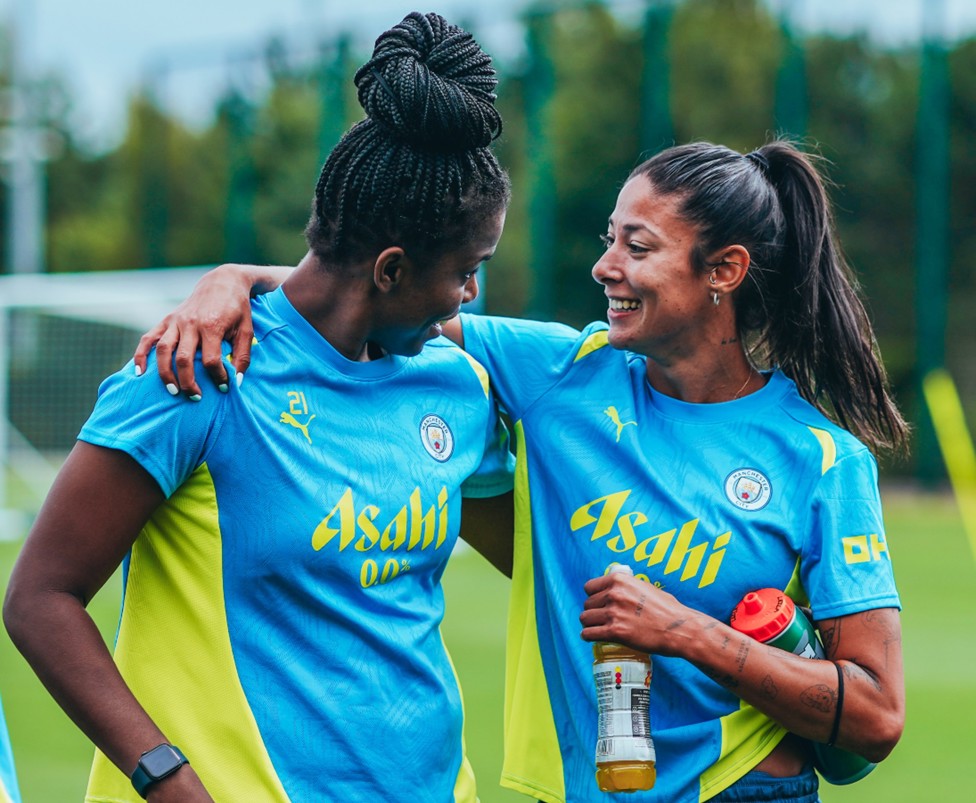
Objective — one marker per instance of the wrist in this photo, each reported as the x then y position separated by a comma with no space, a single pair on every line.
154,765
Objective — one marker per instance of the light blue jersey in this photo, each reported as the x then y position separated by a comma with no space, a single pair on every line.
282,608
9,793
708,501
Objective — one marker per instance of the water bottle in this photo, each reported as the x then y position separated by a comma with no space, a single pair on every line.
769,616
624,748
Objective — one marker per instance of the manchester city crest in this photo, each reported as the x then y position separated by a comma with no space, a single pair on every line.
436,437
748,489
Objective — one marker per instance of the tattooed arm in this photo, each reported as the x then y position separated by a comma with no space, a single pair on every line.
798,693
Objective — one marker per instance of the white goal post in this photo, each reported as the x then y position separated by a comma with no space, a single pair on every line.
60,335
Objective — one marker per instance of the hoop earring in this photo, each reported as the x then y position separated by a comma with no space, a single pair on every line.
711,278
715,299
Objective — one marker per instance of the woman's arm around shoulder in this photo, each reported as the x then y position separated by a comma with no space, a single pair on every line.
218,309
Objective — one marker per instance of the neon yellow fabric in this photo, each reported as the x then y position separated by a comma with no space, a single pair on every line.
753,736
530,732
173,635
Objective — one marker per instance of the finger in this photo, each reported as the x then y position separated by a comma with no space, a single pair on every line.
241,349
146,343
211,351
599,583
164,359
596,600
186,353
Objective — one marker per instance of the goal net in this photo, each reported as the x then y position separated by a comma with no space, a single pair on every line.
60,335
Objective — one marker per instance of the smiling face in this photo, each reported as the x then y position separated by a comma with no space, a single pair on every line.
428,294
659,305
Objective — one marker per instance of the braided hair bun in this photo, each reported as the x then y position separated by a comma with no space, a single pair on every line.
417,171
430,84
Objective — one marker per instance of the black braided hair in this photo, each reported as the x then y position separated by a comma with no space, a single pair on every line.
418,171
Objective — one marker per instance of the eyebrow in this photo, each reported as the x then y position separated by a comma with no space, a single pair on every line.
630,228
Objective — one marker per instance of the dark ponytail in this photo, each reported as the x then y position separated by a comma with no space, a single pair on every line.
799,308
418,171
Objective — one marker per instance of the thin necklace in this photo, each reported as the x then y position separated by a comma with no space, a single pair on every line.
752,372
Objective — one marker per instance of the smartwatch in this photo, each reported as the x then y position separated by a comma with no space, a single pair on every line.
156,764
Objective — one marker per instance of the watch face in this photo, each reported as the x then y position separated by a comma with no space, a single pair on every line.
160,760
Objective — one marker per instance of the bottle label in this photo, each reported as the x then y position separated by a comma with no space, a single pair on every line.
624,725
799,638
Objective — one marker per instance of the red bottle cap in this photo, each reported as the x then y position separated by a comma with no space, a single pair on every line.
763,614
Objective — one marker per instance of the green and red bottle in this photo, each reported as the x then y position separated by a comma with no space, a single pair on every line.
770,616
624,748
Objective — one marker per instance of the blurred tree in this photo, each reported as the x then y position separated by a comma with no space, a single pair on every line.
725,55
595,119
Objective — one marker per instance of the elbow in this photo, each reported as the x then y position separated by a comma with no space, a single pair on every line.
16,615
882,735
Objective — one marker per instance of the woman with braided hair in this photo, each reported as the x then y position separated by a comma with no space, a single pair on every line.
283,542
717,437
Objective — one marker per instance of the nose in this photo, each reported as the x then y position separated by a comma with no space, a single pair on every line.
605,270
471,289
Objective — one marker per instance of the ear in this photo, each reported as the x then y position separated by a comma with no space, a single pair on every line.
730,266
388,268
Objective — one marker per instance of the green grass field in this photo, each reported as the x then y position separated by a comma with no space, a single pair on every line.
937,580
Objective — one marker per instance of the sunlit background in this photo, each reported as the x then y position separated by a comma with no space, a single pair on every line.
142,142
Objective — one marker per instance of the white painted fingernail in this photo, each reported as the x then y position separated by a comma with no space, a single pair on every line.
222,387
172,389
240,379
138,370
196,397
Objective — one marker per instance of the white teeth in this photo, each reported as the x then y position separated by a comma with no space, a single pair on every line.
623,304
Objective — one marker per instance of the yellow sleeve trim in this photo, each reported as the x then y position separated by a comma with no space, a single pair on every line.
829,448
594,342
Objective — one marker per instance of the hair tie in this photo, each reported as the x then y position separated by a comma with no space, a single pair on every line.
759,160
840,706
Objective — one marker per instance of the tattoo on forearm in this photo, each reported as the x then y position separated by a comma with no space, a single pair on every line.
768,688
742,655
854,672
821,697
723,680
830,636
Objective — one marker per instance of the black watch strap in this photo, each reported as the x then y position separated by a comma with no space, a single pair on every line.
156,764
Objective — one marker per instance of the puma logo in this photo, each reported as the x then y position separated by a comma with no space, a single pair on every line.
613,415
288,418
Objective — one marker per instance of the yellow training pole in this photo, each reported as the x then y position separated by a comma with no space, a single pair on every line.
956,444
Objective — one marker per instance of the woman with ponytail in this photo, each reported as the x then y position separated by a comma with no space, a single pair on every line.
283,541
717,437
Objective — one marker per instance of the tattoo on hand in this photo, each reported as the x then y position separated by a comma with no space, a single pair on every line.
821,697
676,624
640,604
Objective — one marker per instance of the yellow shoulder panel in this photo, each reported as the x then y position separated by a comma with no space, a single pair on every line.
828,446
479,369
595,341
